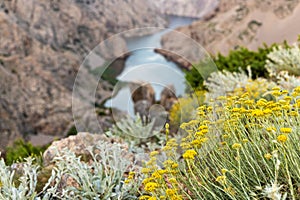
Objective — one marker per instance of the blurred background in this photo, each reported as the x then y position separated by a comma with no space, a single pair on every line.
43,44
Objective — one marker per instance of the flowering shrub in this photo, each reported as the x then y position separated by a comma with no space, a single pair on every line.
233,83
284,59
238,148
184,109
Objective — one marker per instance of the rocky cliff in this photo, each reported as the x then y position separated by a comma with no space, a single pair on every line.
239,23
191,8
42,44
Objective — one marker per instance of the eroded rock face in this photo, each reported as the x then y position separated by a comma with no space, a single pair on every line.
42,44
192,8
239,23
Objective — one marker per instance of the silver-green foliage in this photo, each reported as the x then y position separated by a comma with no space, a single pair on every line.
140,137
103,178
100,178
284,59
25,189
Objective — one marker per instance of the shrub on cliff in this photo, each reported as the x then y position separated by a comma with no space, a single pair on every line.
237,59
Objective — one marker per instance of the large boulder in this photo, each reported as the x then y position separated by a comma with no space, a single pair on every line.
168,97
143,97
142,91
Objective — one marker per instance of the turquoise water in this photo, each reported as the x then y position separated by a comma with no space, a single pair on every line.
145,65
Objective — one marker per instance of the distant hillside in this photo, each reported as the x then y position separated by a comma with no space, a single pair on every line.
241,23
191,8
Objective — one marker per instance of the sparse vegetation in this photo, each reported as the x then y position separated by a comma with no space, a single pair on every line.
236,60
21,150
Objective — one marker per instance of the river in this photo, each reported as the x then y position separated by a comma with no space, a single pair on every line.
146,65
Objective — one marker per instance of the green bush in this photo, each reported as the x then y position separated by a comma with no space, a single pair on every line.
236,59
21,150
72,131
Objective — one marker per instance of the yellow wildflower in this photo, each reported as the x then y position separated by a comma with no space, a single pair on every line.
285,130
288,98
276,88
224,171
145,170
202,127
223,143
261,102
276,93
167,125
297,89
170,192
257,113
127,181
236,146
268,156
189,154
225,136
294,113
153,153
156,175
245,140
175,165
282,138
221,179
271,129
151,186
230,190
144,197
196,143
172,180
147,180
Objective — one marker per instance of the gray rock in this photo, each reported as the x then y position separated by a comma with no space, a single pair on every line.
42,45
192,8
143,97
78,144
168,97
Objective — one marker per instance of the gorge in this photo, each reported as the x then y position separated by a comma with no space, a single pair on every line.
144,64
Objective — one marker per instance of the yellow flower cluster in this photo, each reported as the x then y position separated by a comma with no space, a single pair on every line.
225,135
189,154
130,177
